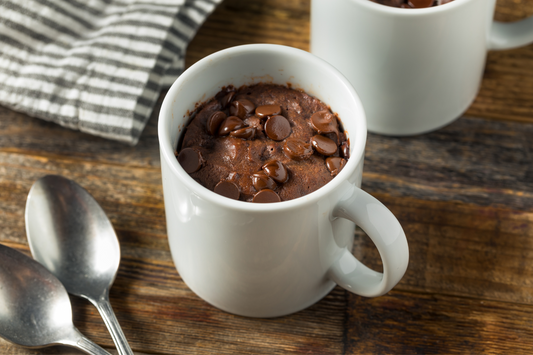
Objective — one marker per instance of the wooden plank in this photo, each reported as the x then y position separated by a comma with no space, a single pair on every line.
412,323
237,22
471,160
462,249
468,287
513,10
507,87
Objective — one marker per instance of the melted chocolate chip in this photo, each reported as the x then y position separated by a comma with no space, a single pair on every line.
227,99
277,171
412,4
262,181
244,133
345,150
227,189
417,4
230,124
297,149
266,196
394,3
214,121
324,145
335,165
267,110
277,128
190,160
325,122
241,108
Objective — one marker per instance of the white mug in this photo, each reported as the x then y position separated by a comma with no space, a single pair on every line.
415,70
268,260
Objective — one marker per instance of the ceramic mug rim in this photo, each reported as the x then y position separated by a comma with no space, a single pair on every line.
357,138
395,11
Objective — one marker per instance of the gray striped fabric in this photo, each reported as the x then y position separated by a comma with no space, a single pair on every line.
94,65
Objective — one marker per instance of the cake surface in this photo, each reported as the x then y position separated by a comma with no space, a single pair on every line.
263,138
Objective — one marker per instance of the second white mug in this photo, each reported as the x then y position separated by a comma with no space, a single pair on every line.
415,70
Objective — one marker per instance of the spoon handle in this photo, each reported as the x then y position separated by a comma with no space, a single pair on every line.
89,347
106,311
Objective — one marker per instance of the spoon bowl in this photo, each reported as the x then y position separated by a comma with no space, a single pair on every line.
70,234
35,309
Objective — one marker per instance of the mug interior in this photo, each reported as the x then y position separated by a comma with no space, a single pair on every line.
248,65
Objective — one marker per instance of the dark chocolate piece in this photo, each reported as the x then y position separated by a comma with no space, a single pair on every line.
324,145
417,4
277,128
227,189
214,121
266,196
325,122
227,99
190,160
335,165
262,181
267,110
412,4
277,171
297,149
345,150
241,108
230,124
244,133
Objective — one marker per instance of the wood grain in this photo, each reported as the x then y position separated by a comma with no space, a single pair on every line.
471,160
413,323
464,195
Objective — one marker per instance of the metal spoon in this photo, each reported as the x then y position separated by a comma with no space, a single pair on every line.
35,310
71,236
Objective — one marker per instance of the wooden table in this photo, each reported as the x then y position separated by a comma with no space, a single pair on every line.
464,195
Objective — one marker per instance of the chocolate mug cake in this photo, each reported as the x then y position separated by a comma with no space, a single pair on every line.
263,143
412,4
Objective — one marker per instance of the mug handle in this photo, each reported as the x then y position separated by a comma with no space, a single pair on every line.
387,234
505,35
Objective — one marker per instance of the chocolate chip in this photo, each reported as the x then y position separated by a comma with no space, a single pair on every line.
262,181
266,196
227,189
416,4
255,122
324,122
214,121
230,124
244,133
335,165
297,149
324,145
241,108
345,150
395,3
277,171
267,110
277,128
227,99
190,160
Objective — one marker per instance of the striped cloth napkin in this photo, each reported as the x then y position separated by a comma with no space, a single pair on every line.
94,65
